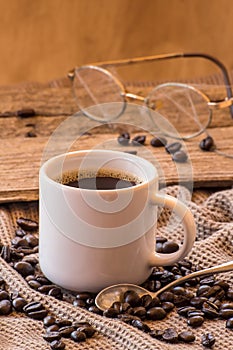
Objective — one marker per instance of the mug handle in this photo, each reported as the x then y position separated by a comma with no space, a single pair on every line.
184,213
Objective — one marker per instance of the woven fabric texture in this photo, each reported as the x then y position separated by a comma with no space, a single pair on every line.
213,214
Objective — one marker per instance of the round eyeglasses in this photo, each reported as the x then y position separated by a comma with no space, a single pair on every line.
186,108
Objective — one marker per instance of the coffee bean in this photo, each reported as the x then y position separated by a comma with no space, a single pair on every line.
173,147
124,138
34,284
210,310
56,293
178,290
226,313
207,144
27,224
207,340
159,247
186,337
210,280
79,303
46,288
19,303
156,333
229,323
42,279
184,310
30,134
63,322
52,328
95,310
32,240
203,290
83,295
38,315
170,335
166,296
146,300
49,321
198,301
88,330
195,313
24,268
156,313
153,286
5,307
131,297
142,326
158,142
139,140
139,311
57,345
19,242
110,312
26,113
170,247
195,321
78,336
167,306
226,305
126,318
167,277
66,331
33,306
179,157
155,302
51,336
4,295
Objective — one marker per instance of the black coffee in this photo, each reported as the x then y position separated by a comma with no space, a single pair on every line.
103,180
101,183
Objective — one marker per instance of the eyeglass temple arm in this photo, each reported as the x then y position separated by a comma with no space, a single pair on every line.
128,61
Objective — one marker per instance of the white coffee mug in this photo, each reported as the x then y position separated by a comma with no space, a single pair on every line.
90,238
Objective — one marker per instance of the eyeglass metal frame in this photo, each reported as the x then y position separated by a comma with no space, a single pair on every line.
127,96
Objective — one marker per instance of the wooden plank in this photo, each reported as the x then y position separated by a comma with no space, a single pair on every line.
21,156
21,159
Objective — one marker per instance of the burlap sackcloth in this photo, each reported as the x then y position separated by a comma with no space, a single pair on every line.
213,214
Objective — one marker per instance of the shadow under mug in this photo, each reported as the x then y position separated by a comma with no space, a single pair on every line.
90,238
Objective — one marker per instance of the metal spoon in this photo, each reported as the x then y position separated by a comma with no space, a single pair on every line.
109,295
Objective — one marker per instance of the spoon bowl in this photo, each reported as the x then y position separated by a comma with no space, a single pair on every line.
113,293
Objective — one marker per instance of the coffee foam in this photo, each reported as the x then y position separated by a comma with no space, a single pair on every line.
75,175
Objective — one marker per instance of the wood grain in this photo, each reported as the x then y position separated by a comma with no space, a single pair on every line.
22,159
21,156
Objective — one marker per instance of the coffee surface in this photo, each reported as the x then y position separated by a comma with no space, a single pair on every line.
101,183
102,180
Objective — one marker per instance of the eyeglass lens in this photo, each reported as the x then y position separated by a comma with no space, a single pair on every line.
94,89
184,107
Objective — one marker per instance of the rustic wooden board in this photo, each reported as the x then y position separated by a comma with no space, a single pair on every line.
22,159
21,156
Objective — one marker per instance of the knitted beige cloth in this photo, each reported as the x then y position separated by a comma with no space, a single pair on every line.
213,214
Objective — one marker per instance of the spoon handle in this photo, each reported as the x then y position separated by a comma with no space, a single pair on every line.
228,266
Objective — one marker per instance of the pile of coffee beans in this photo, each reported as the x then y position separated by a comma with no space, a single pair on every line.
56,329
174,149
197,300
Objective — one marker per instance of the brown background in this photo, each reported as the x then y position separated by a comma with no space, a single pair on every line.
42,39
